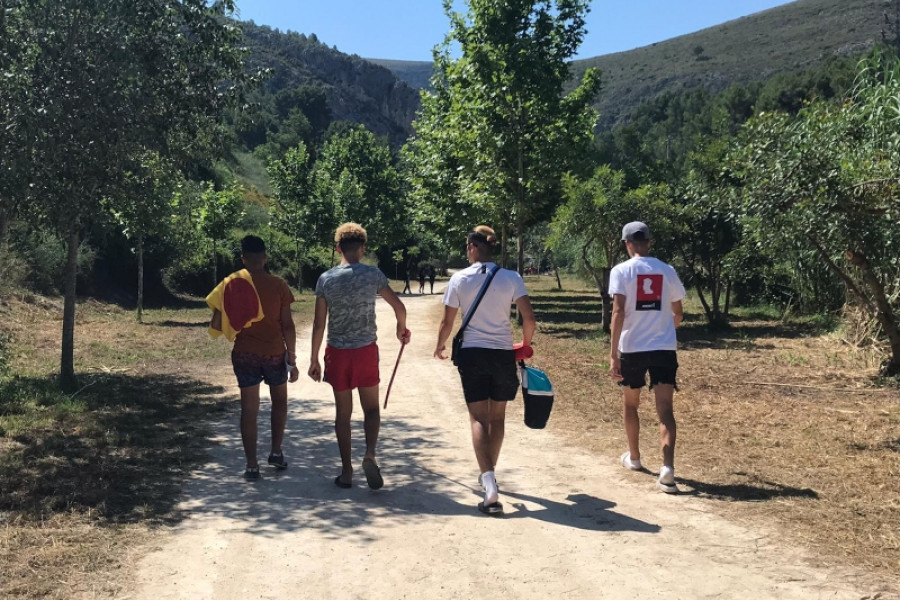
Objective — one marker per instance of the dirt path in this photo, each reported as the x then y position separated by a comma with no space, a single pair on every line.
576,526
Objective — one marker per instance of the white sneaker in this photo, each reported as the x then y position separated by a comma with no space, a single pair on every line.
491,491
666,481
634,465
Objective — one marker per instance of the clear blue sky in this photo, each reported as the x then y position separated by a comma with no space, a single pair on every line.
409,29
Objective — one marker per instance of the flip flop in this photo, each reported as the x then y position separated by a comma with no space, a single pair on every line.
373,474
341,484
491,509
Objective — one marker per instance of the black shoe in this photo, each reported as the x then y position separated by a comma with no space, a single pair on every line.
251,473
277,460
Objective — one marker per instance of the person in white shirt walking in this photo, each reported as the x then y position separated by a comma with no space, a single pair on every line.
647,295
486,360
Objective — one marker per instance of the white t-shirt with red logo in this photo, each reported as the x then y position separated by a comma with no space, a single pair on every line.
650,286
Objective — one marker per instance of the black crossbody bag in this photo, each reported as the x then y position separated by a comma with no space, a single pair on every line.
458,338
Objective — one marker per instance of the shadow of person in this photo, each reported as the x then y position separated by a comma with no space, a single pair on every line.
759,490
580,511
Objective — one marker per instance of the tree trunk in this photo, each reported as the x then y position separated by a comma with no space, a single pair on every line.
67,357
606,314
299,269
884,313
4,226
727,298
520,227
140,282
215,264
520,245
706,309
504,245
555,271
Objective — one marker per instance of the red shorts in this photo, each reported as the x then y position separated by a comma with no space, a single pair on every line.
348,368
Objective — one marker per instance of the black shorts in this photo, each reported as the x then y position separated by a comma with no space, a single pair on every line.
662,364
488,374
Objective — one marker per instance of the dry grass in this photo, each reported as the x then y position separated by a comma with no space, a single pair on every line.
84,477
778,423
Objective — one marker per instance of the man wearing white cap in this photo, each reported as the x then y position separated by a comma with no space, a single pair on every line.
647,296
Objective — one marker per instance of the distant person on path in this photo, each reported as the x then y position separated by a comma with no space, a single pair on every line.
422,276
647,296
406,288
486,361
345,297
431,277
263,351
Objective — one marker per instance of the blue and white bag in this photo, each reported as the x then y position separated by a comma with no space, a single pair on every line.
537,392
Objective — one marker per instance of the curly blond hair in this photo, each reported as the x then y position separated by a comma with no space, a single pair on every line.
350,232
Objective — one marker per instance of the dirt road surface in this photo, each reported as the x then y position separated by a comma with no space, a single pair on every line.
576,526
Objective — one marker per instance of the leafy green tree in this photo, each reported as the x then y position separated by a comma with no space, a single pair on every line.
304,217
497,128
355,174
830,178
592,218
111,79
17,117
219,212
709,228
143,207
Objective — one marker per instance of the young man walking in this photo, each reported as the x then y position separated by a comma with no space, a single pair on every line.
345,297
486,361
264,350
647,296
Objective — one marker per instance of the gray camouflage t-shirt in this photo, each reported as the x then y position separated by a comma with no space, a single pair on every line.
350,292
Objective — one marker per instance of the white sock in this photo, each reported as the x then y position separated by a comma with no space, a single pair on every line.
667,475
491,493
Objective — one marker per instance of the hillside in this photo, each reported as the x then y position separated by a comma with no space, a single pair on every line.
357,90
752,48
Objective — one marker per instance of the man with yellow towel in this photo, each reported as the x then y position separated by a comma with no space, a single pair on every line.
253,308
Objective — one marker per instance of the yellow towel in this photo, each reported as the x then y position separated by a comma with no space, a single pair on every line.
238,301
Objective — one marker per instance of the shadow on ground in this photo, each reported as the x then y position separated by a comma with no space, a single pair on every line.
119,447
304,495
745,492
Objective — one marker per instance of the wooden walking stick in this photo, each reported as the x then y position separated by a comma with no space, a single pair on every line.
396,364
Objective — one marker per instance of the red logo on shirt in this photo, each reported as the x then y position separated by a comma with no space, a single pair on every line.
649,292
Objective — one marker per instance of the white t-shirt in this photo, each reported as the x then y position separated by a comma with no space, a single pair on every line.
489,327
650,286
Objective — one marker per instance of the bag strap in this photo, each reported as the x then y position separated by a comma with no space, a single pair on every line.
484,288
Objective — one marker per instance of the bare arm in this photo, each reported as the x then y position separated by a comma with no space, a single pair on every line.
289,333
615,332
318,333
678,313
528,321
399,311
216,321
444,332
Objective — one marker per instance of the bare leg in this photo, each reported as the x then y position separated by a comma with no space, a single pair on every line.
279,415
368,399
632,399
667,426
343,404
480,421
249,414
497,429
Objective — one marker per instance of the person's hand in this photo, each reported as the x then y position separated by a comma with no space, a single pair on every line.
315,370
403,334
439,352
295,374
615,368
